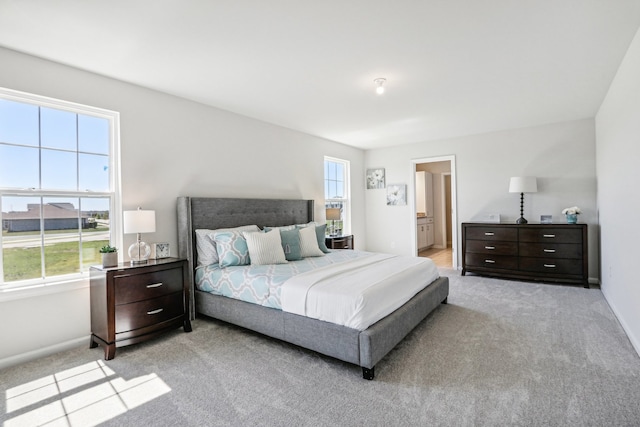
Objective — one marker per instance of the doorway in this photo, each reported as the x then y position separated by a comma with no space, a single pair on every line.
440,187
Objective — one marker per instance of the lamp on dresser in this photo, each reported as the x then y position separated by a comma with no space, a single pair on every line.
138,222
523,184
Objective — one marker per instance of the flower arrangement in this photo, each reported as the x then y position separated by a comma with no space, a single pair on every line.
574,210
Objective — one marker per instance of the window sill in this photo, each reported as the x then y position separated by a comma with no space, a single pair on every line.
41,289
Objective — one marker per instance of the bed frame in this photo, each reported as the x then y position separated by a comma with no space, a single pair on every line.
363,348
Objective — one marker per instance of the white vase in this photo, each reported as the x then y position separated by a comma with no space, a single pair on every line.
110,259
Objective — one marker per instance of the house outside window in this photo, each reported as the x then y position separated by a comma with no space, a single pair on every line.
336,193
58,181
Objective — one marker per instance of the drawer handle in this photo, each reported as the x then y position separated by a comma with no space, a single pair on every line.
490,247
490,261
155,285
550,265
551,236
155,311
488,233
551,251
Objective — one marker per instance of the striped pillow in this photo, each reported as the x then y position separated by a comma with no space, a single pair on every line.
309,242
265,248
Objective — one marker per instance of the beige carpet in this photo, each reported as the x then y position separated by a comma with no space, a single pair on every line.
500,353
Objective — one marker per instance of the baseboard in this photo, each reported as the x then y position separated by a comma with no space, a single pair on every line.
628,331
42,352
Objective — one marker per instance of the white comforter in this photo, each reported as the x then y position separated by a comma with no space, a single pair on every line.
360,292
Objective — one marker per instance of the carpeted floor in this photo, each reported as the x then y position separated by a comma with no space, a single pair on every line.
500,353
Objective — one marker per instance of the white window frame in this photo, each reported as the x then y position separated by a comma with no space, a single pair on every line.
346,215
15,290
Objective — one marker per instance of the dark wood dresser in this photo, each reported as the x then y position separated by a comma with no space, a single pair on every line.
339,242
133,303
538,252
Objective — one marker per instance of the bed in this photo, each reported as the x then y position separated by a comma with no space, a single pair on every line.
364,348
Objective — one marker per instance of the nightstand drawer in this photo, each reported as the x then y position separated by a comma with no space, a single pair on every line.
148,312
138,287
496,248
551,265
551,235
550,250
492,233
339,242
504,262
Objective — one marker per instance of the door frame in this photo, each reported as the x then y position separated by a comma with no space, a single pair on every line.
454,204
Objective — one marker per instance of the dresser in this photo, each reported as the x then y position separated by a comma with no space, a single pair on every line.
133,303
538,252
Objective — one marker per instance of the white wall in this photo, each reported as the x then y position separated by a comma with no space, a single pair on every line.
618,151
561,155
170,147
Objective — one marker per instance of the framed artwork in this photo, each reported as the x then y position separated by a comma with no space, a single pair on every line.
396,194
375,178
546,219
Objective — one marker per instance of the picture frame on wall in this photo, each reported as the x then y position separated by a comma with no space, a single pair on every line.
375,178
396,194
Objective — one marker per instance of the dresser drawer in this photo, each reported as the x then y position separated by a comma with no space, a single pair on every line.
492,233
138,287
496,248
550,250
148,312
551,265
503,262
550,235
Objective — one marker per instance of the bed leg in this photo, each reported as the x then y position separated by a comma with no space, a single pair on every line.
444,301
367,373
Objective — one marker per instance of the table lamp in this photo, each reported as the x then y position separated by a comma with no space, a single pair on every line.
139,221
523,184
333,214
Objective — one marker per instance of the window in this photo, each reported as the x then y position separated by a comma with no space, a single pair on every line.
336,194
58,177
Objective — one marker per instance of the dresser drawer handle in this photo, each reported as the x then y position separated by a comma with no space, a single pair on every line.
550,265
155,285
488,233
551,236
490,247
155,311
551,251
489,261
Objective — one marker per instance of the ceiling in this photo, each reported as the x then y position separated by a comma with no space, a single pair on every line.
453,68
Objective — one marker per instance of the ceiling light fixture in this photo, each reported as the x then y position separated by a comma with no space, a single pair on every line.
380,85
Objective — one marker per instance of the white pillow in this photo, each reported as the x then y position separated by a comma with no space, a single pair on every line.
309,242
206,247
265,248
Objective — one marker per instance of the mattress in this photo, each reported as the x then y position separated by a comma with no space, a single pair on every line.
345,287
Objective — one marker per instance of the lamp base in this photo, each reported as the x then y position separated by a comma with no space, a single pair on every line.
521,220
139,252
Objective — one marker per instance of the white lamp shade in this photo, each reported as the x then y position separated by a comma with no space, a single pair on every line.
139,221
333,214
523,184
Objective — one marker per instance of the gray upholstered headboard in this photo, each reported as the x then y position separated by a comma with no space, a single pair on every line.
211,213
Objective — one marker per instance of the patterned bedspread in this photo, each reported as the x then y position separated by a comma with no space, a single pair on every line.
261,284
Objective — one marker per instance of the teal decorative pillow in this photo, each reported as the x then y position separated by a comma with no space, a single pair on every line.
320,235
291,244
232,248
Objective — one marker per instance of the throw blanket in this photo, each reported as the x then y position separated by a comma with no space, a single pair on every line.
360,292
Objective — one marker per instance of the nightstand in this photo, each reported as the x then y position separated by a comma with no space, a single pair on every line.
339,242
134,303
